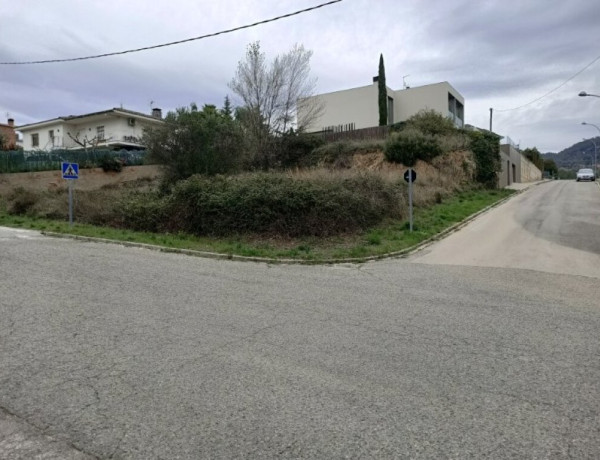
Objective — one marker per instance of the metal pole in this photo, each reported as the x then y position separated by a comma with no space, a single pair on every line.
70,203
410,205
491,112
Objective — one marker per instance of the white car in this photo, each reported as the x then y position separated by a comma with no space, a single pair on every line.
585,174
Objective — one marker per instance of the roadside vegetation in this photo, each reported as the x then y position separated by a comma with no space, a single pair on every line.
249,181
390,236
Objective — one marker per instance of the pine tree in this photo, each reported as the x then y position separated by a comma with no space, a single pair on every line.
227,110
383,99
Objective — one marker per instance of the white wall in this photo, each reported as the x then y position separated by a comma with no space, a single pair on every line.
43,132
410,101
356,105
360,105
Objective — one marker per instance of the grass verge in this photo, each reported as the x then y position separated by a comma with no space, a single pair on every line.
389,237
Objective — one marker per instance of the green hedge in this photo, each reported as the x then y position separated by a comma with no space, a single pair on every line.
37,160
267,204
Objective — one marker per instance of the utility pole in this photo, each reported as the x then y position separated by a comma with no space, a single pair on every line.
491,113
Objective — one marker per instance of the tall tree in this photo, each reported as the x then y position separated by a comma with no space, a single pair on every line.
194,141
276,99
273,89
227,110
533,155
383,98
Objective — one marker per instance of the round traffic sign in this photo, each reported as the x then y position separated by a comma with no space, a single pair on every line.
413,175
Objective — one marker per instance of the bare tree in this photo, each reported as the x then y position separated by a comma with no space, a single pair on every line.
272,91
87,142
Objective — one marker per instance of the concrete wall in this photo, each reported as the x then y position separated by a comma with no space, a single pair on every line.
508,163
516,167
529,172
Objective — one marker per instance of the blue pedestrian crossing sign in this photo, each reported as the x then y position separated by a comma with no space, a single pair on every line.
70,170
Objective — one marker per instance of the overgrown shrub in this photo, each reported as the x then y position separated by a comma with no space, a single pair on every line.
196,141
410,145
431,122
110,163
339,154
486,149
143,211
455,141
21,201
294,148
277,204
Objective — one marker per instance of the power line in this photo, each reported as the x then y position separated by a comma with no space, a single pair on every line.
551,91
116,53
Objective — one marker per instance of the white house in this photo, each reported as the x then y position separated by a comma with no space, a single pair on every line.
358,108
113,128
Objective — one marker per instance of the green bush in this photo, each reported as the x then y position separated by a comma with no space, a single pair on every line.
110,163
410,145
294,148
431,122
143,211
277,204
486,150
196,141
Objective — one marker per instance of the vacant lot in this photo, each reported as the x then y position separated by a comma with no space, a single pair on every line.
89,179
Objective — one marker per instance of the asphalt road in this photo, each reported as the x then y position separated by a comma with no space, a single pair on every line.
553,227
117,352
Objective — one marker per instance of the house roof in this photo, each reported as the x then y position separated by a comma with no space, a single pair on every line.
93,115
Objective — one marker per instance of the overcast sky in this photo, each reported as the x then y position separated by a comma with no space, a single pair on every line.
500,54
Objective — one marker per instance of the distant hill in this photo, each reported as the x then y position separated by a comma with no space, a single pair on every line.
579,155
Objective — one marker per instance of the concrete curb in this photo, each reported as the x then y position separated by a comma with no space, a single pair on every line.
356,260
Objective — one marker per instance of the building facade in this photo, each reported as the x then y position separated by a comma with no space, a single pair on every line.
516,167
8,136
358,108
113,128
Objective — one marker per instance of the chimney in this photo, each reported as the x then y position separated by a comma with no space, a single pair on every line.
157,113
376,79
11,122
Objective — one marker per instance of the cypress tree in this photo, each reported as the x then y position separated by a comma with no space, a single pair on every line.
383,113
227,110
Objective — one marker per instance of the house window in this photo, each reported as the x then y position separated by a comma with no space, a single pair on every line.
100,133
35,140
51,137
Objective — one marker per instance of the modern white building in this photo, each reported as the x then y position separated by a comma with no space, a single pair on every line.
113,128
358,108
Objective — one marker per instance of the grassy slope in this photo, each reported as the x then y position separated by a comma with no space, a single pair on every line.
390,237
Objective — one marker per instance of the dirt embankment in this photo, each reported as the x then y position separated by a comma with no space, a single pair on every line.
89,179
444,172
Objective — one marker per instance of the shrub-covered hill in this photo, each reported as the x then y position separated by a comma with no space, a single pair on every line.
577,156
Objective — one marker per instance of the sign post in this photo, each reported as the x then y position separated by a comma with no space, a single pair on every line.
410,176
70,171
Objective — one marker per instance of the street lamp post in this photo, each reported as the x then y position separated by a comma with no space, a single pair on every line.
591,124
584,94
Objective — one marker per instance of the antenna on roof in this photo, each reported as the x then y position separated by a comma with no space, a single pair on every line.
404,82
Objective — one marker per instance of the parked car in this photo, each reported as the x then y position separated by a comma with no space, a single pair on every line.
585,174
